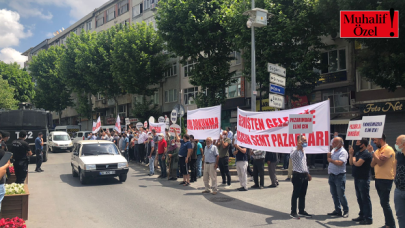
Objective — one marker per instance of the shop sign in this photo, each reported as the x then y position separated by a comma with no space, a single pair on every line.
333,77
382,107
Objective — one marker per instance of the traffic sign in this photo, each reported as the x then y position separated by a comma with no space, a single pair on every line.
277,89
161,119
173,116
274,78
276,69
139,125
276,101
180,110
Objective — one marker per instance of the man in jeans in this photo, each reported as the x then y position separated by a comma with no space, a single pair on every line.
384,167
223,145
39,143
337,159
200,153
162,150
151,152
258,168
300,178
360,159
272,160
193,160
399,195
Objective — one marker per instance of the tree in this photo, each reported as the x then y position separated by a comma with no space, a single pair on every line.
51,90
138,59
199,31
292,38
7,100
145,109
19,79
381,60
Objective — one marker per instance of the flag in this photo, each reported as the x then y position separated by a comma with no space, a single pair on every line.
98,126
118,124
94,127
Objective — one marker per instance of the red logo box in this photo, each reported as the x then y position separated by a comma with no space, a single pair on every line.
369,24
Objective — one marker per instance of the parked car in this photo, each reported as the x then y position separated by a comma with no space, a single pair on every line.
93,159
80,135
59,141
70,129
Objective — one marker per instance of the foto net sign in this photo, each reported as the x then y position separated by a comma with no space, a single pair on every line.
369,24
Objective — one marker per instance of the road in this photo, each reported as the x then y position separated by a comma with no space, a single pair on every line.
59,200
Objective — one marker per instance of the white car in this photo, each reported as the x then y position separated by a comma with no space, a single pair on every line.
92,159
59,141
80,135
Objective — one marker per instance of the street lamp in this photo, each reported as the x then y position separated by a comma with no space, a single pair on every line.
258,18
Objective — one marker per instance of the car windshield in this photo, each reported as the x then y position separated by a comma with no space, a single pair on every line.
61,138
99,149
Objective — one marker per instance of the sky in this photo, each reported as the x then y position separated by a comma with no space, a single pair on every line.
26,23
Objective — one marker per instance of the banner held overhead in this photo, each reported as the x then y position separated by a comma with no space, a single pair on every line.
204,122
354,129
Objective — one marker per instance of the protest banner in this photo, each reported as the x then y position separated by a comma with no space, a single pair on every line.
173,128
268,131
372,126
158,127
353,130
204,122
98,126
300,123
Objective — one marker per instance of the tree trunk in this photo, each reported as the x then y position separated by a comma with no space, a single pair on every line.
91,110
60,116
261,98
116,106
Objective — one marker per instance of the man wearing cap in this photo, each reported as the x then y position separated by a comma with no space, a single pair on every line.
39,143
21,150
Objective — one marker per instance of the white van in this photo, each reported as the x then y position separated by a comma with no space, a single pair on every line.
59,141
70,129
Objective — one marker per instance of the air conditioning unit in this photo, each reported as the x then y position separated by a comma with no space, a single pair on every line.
104,101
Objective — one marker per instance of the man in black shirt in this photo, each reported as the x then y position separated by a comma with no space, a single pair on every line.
360,162
5,136
399,194
21,150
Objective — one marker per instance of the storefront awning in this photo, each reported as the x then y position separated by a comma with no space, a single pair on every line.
339,121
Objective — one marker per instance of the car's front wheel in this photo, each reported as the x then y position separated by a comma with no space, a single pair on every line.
123,177
83,179
74,172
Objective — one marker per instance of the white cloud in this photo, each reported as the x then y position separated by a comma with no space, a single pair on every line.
49,35
10,55
11,31
25,9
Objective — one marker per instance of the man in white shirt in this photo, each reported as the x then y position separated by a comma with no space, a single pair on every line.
141,140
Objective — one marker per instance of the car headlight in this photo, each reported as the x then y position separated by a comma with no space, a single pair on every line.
122,165
89,167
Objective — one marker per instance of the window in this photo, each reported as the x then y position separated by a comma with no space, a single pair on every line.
153,3
236,58
336,61
234,89
172,71
188,67
146,4
100,97
99,20
151,20
170,95
189,95
88,25
111,13
137,10
122,7
339,99
365,84
126,22
155,98
122,110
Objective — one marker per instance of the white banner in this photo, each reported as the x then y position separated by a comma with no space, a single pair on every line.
159,127
204,122
353,130
372,127
300,123
268,131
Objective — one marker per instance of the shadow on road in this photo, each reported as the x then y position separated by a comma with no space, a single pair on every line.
75,182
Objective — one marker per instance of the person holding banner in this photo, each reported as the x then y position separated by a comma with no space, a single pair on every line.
241,155
223,146
258,168
384,165
337,159
360,160
173,154
399,194
300,178
162,150
184,155
141,149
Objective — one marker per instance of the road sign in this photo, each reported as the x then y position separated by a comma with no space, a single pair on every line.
276,69
180,110
274,78
127,122
161,119
277,89
139,125
276,101
167,121
173,116
145,124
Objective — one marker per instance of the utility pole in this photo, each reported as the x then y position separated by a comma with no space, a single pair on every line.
253,66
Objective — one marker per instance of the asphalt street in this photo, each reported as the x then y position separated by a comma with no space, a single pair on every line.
57,199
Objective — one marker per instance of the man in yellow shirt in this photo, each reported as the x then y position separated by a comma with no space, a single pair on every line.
384,165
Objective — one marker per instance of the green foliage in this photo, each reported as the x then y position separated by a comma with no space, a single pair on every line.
51,91
291,39
83,105
199,30
381,60
145,109
138,61
7,100
19,79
